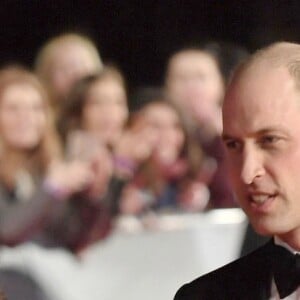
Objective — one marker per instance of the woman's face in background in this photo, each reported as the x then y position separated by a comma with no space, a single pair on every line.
70,62
22,116
105,111
165,121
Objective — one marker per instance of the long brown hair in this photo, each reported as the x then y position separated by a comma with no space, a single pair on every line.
191,151
49,146
71,116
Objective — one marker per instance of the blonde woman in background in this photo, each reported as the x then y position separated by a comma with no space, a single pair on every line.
28,145
63,60
34,181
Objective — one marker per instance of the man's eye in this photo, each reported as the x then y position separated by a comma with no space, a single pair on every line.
268,140
233,145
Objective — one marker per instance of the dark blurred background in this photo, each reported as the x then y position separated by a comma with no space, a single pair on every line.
139,35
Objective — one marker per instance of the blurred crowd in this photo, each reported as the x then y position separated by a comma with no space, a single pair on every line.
74,157
77,151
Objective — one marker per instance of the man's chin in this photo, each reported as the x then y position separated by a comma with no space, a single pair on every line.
268,227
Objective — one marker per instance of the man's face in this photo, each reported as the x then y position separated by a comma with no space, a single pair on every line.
261,119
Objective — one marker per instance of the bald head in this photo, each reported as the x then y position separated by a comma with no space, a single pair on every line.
277,55
261,132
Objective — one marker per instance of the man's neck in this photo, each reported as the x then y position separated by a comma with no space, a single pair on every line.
290,240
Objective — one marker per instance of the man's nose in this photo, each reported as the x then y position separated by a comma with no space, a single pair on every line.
252,165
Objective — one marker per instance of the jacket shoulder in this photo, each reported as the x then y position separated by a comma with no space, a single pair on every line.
239,275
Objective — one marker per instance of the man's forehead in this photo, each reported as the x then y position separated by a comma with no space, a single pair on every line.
270,106
260,81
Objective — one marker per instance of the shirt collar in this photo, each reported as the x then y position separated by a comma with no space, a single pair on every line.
278,241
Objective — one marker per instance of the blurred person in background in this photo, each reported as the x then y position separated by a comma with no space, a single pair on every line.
36,184
28,146
96,112
97,105
195,84
170,171
18,285
62,61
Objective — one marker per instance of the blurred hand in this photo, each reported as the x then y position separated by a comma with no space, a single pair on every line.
102,168
136,143
194,197
207,115
132,201
69,177
134,147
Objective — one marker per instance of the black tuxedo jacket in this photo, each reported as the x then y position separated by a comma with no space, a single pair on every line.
248,278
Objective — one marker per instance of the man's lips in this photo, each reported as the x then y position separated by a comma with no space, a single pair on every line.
260,199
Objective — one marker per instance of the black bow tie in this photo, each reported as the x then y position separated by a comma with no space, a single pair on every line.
286,268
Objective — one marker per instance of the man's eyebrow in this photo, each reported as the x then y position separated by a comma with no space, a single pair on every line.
226,137
268,130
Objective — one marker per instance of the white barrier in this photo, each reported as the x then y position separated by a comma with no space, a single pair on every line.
135,263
